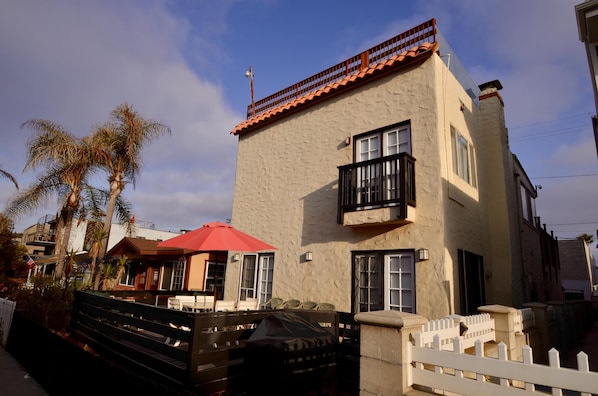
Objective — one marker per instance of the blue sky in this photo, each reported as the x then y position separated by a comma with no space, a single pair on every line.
184,62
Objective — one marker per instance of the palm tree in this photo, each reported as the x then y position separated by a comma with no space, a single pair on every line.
10,177
68,161
586,237
120,142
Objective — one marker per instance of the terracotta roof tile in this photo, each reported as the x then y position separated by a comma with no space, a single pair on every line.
418,52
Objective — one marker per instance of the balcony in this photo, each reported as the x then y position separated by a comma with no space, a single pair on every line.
378,191
40,238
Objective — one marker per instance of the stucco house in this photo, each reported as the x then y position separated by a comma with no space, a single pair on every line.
386,182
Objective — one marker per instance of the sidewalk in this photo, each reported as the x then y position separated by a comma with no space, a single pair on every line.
589,345
14,380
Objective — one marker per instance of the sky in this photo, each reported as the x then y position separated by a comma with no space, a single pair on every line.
183,63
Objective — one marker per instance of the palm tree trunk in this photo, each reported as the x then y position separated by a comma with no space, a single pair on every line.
116,187
66,215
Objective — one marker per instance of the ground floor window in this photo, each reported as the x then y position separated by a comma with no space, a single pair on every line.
384,280
128,278
471,281
173,273
256,277
214,282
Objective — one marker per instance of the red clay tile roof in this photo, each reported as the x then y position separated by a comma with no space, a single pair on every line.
414,54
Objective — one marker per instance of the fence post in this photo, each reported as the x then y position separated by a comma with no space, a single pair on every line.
504,320
7,308
542,319
384,361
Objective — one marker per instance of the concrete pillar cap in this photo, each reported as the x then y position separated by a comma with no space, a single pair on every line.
390,318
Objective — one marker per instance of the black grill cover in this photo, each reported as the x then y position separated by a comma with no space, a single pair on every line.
288,354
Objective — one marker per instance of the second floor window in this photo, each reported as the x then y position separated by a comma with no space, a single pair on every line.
528,204
383,142
463,157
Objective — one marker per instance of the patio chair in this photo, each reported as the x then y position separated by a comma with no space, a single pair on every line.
291,304
174,303
325,307
204,303
309,305
251,304
273,303
224,305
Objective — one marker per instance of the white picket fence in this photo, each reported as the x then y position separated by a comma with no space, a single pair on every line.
470,328
438,362
7,307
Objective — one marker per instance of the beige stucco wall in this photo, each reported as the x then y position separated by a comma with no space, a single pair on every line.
286,189
196,269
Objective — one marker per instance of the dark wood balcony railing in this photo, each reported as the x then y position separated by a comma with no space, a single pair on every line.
426,32
377,183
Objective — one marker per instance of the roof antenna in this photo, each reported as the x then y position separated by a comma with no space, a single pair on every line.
249,73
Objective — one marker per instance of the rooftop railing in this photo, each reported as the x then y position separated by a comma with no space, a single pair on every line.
426,32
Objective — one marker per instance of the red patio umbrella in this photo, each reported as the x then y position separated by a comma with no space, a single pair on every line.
214,237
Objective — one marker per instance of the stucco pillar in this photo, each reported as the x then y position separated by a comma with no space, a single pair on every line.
542,320
504,321
384,363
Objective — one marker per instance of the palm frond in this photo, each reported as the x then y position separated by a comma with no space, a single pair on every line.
9,177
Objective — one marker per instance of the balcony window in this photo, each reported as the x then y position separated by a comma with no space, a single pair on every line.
382,174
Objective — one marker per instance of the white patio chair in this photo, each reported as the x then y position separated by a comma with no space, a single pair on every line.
174,303
251,304
224,305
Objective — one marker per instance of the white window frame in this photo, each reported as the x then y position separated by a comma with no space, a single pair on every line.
395,284
463,157
399,282
265,277
262,279
176,277
126,279
249,291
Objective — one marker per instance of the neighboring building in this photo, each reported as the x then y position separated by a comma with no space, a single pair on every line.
386,182
578,269
150,267
541,276
587,24
40,239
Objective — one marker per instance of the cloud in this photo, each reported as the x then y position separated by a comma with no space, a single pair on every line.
74,62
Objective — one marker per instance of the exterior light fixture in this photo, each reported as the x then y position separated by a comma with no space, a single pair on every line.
309,256
423,254
236,257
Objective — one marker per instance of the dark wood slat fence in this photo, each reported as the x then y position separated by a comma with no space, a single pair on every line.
210,347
